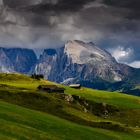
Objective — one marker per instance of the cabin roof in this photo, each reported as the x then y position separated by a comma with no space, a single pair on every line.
75,85
47,86
51,87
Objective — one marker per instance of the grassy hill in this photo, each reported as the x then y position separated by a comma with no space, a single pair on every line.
27,113
21,123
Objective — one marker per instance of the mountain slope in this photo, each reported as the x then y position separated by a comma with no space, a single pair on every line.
84,63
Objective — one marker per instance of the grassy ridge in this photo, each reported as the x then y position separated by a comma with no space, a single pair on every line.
23,82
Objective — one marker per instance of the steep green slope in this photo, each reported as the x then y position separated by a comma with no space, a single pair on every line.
20,123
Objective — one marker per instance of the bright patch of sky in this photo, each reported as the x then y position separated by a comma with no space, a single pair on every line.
121,53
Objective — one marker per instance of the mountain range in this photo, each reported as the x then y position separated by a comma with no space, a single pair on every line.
75,62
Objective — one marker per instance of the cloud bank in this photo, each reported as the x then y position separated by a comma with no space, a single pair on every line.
49,23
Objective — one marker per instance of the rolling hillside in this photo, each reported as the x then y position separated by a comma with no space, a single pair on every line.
21,123
27,113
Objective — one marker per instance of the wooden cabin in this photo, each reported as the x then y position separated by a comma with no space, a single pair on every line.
76,86
3,85
51,88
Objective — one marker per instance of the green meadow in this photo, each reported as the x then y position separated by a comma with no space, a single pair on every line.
26,113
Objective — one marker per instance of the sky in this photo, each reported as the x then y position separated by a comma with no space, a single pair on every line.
113,25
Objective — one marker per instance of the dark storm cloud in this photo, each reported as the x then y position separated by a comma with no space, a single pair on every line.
111,24
17,3
59,6
47,5
132,4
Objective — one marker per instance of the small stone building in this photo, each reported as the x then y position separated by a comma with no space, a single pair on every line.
51,88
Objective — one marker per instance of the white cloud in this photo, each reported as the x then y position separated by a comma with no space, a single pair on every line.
121,53
135,64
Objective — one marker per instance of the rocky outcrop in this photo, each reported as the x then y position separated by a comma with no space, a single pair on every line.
98,109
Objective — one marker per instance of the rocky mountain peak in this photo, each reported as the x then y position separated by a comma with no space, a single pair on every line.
78,61
81,52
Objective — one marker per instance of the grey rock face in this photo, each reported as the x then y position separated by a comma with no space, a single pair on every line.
51,63
16,60
79,61
5,63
